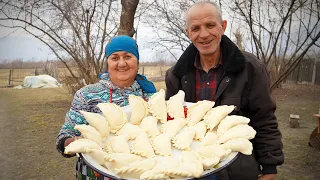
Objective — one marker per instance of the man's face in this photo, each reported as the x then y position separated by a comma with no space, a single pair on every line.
205,29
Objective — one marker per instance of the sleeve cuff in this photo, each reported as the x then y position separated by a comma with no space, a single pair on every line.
61,147
269,169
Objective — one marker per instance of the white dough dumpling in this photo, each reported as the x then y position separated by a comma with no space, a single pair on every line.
118,160
135,169
149,124
175,105
213,151
97,121
239,131
210,138
190,166
98,155
142,146
209,163
173,127
197,111
139,109
162,145
158,172
216,114
201,130
229,122
89,132
81,146
114,114
157,106
118,144
132,131
184,139
240,144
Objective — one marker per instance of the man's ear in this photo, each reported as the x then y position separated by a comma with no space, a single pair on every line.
224,25
187,31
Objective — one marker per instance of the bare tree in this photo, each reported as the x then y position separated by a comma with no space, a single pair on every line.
281,32
76,30
167,19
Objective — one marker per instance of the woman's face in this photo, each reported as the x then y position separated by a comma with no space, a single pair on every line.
122,68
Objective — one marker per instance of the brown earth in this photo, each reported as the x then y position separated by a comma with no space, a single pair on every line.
30,119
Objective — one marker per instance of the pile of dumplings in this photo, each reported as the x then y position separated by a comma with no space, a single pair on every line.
142,146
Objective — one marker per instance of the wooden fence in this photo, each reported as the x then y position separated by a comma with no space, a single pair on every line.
14,77
307,72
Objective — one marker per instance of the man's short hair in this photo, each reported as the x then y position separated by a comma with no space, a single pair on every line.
201,3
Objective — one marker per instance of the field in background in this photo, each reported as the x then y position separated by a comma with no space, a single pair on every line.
30,119
154,73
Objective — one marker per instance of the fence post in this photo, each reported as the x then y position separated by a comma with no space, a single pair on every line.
10,78
160,71
314,73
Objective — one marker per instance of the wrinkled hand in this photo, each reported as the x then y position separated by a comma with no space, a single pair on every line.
267,177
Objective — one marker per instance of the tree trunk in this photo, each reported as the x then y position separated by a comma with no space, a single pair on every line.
127,17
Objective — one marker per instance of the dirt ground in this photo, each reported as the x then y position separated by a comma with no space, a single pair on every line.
30,119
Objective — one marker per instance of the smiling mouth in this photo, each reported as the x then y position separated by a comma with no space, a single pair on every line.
122,70
206,42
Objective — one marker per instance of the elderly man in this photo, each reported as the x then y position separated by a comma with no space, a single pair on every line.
213,68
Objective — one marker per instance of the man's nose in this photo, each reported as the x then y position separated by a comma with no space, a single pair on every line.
204,32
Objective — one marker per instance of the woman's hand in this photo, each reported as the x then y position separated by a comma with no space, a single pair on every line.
267,177
70,140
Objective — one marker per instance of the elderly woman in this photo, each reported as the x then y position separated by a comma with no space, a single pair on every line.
120,80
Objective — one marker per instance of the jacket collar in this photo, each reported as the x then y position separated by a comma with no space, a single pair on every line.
232,58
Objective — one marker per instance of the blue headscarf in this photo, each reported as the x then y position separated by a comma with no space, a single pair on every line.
126,43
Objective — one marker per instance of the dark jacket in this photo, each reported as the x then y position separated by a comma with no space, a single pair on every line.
245,84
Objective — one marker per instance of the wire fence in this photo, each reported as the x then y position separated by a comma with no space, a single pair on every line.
15,77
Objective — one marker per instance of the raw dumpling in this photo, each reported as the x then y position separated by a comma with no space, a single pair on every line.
118,160
97,121
162,145
89,132
190,166
135,169
210,139
173,127
213,151
175,105
149,124
163,165
184,139
201,130
132,131
239,131
139,109
114,114
157,106
151,174
209,163
215,115
231,121
142,146
240,144
98,155
197,111
118,144
81,146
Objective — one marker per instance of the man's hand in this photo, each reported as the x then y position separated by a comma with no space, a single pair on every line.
267,177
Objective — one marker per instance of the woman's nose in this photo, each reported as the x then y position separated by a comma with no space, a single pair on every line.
122,62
